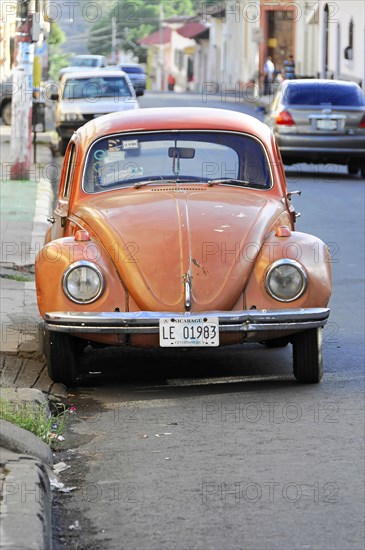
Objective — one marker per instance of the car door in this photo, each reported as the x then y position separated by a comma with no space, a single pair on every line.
61,211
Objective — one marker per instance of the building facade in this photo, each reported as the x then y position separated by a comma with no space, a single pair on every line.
7,34
325,38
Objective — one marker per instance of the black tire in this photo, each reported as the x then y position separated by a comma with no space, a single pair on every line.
63,145
362,168
62,352
276,342
307,356
353,167
6,113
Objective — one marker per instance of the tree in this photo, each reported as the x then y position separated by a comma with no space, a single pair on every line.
58,60
133,21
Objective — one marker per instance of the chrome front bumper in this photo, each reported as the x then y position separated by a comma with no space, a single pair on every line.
147,322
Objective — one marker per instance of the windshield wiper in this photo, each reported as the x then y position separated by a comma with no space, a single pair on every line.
162,180
227,180
148,182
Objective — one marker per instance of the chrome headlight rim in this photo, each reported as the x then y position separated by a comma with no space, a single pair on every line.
78,264
301,270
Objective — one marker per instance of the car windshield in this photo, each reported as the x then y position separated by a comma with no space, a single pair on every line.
329,93
132,70
96,87
84,62
176,157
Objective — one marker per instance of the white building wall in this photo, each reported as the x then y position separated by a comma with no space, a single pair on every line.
340,14
240,60
355,68
233,46
215,48
201,58
7,31
178,63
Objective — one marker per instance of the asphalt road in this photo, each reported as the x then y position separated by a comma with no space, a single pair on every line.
223,449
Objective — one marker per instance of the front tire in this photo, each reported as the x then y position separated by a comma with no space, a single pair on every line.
61,351
307,356
362,169
353,167
6,114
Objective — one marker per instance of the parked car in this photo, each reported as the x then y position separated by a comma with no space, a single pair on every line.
86,95
320,121
6,93
7,90
137,75
174,228
80,62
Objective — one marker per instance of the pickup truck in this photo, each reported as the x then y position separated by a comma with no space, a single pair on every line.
84,62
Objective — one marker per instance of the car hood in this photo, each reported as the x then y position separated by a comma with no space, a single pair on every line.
101,106
160,238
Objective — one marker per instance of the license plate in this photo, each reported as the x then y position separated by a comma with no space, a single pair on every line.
176,332
326,124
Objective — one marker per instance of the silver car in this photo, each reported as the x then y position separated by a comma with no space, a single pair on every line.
320,121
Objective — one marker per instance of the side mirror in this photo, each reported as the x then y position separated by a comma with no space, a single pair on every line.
54,97
290,193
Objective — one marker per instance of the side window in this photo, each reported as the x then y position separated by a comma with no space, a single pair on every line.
70,171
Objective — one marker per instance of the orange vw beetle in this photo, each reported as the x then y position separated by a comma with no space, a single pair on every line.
174,228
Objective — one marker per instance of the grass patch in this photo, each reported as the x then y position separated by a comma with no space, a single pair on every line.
19,278
35,418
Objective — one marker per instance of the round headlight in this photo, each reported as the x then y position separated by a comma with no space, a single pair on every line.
286,280
83,282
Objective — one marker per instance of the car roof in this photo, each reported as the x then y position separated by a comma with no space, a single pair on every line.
131,65
92,73
317,81
89,56
170,118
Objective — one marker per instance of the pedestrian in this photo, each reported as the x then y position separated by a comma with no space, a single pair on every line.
190,86
289,68
171,81
269,69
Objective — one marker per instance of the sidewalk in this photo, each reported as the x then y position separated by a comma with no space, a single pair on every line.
24,208
26,500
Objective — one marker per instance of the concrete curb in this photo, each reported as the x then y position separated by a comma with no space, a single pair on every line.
21,441
25,508
26,496
31,396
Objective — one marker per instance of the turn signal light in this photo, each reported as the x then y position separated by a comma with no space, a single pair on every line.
82,235
285,119
362,122
282,231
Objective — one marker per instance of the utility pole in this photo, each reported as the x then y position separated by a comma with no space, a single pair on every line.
161,50
114,41
21,129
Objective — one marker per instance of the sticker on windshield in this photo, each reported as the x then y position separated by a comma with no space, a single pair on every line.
99,154
130,144
114,145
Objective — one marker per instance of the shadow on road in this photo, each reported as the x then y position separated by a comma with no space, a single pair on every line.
150,374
